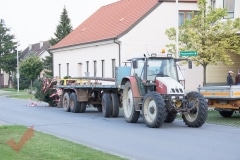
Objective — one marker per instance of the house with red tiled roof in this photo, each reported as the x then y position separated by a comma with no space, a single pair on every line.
119,31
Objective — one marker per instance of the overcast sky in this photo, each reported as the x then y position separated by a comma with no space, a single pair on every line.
32,21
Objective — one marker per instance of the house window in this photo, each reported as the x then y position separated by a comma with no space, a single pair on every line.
59,70
103,67
213,4
87,69
113,67
67,69
184,15
229,6
79,69
95,68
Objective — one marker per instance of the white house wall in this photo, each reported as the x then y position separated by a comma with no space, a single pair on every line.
219,4
76,59
149,37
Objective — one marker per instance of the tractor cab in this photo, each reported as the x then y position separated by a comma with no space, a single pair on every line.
148,68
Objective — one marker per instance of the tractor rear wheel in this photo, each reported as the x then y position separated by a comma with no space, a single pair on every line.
130,114
154,110
171,116
197,110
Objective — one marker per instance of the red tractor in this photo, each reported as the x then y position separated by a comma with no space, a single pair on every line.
153,89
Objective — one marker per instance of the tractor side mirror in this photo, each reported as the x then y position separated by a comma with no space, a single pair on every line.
190,64
135,64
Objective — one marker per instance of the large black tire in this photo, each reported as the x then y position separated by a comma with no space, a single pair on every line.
226,113
154,110
171,116
106,105
197,115
65,102
74,104
82,107
130,114
115,105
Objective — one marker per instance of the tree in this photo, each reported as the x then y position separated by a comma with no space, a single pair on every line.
48,66
8,51
210,35
31,67
62,30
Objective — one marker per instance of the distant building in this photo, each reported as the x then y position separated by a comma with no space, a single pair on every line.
38,49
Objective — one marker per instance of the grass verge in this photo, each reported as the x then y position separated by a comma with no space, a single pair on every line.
45,147
13,93
215,118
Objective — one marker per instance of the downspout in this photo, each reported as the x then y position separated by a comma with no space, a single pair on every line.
119,51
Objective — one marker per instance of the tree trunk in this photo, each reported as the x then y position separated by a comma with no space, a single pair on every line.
204,74
10,82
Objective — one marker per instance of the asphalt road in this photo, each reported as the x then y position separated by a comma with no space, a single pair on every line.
173,141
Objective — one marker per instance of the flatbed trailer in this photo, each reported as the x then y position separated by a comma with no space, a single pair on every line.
79,92
225,99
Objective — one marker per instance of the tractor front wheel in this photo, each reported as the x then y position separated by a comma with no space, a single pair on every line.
154,110
197,110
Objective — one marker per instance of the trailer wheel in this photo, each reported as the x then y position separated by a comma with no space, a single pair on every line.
65,102
197,114
106,105
226,113
82,107
171,116
130,114
154,110
73,103
115,105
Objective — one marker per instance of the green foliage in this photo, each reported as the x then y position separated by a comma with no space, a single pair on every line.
63,29
8,50
24,83
210,35
31,67
48,66
45,91
67,77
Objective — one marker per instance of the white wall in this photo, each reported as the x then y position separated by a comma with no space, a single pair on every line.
149,37
219,4
77,56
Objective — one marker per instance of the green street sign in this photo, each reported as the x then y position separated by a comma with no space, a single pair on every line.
188,53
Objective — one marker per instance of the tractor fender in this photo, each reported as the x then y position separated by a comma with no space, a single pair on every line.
135,91
134,85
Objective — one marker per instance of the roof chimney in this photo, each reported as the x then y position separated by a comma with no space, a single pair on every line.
30,47
41,44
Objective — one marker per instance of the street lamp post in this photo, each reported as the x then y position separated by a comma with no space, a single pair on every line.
18,76
177,30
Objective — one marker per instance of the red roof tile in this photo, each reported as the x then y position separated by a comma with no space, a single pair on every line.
110,21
